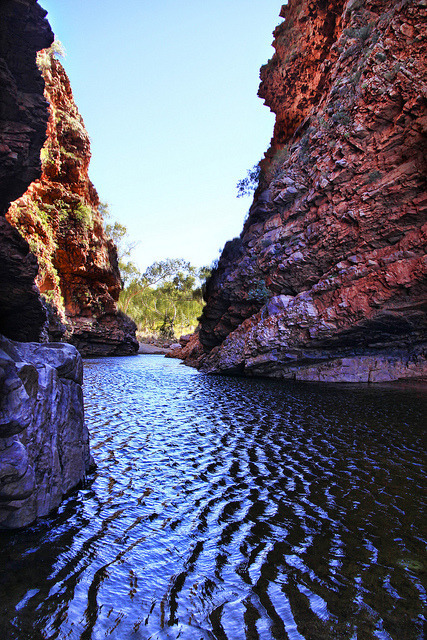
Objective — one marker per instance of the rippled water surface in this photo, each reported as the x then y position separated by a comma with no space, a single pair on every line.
227,508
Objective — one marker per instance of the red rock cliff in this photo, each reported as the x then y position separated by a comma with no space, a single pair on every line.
41,398
59,217
328,278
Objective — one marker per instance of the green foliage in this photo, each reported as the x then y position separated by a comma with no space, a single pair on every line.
259,292
392,73
341,117
118,234
45,155
83,213
374,176
58,49
74,123
361,33
45,56
380,56
69,154
248,185
165,299
278,161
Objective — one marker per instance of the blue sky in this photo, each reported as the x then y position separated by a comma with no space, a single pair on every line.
168,93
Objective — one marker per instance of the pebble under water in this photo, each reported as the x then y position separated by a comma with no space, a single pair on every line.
227,508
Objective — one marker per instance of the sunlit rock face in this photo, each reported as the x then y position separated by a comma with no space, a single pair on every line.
44,443
44,450
328,278
59,216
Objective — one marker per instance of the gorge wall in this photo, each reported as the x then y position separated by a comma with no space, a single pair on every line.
23,119
327,280
44,448
60,218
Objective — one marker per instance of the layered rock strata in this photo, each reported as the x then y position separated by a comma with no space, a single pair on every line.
59,216
44,443
44,448
328,278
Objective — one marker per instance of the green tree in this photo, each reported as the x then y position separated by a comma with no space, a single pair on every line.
166,297
246,186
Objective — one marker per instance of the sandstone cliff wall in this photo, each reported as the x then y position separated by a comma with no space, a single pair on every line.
59,216
44,449
328,278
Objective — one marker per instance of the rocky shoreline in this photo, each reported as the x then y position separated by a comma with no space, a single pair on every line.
44,442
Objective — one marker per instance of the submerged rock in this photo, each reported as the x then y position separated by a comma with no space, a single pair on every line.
44,443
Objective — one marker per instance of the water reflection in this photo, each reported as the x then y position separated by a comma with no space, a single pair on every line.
230,508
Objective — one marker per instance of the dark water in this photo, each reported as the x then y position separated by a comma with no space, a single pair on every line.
230,509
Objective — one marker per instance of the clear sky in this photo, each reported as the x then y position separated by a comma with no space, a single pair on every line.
168,93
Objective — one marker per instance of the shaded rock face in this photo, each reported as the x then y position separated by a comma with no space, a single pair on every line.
60,218
22,312
23,119
44,450
328,278
44,443
23,109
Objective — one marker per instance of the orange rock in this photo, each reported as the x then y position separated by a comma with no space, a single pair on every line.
337,226
59,216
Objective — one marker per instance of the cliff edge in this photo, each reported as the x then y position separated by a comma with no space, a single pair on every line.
59,216
327,280
44,447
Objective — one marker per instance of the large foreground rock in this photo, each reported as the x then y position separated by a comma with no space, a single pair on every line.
44,443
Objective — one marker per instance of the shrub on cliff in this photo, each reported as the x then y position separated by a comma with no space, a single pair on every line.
248,185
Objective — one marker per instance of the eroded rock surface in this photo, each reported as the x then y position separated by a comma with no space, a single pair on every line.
44,443
44,450
23,120
328,278
59,216
23,109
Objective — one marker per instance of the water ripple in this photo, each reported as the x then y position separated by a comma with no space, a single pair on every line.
230,509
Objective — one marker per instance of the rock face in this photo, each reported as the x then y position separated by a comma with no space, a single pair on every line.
328,278
44,443
59,216
44,449
23,119
23,115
